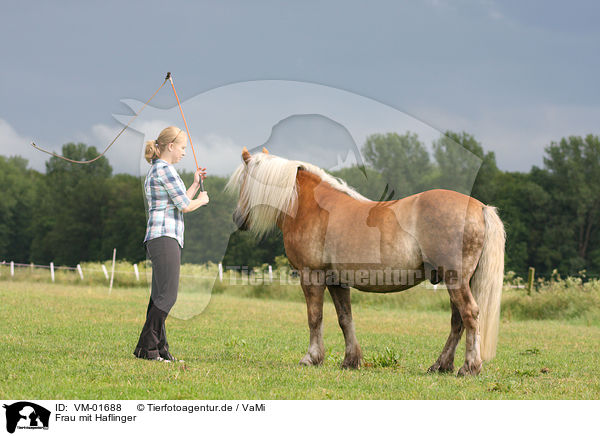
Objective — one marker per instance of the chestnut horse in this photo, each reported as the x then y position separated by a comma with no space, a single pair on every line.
338,239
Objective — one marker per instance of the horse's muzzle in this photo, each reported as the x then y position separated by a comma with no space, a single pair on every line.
239,220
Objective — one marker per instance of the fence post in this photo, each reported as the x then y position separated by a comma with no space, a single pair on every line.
80,271
112,274
221,272
104,271
136,271
270,274
52,270
530,277
12,268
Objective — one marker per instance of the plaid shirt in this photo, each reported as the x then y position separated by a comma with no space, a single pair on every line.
166,196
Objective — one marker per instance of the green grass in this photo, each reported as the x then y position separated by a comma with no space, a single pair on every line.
66,341
558,299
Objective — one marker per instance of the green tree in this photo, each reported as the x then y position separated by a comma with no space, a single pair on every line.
124,218
17,201
402,161
68,219
463,166
522,205
369,183
572,177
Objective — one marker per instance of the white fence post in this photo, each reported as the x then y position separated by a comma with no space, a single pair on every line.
52,270
104,271
80,271
136,271
12,268
221,272
112,273
270,274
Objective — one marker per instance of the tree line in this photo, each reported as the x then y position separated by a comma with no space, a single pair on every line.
74,213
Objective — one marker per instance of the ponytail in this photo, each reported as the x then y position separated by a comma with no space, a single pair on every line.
152,151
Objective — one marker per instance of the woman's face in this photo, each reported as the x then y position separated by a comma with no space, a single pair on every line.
178,150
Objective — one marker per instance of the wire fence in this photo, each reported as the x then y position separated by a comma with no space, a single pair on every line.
98,273
124,274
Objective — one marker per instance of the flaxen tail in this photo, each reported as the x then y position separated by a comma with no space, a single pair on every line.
486,283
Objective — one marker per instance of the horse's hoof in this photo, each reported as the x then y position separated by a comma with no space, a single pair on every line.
469,369
351,363
437,367
307,360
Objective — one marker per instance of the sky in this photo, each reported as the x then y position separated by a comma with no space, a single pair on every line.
516,75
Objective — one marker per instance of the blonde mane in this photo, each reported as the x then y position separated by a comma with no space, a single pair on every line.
270,189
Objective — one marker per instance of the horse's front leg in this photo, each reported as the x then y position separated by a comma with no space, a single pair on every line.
314,307
341,300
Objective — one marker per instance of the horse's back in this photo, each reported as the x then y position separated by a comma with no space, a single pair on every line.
450,227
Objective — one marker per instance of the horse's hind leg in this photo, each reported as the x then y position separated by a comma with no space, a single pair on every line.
445,363
469,312
341,300
314,307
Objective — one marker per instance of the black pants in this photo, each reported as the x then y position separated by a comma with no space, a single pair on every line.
165,254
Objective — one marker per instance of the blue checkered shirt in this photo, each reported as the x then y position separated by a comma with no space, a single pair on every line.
166,196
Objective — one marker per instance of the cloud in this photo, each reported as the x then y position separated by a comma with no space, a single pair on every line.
208,149
126,154
518,135
225,119
14,144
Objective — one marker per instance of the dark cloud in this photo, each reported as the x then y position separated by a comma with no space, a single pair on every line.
67,68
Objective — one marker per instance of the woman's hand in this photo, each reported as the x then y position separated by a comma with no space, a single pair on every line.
199,201
199,174
203,197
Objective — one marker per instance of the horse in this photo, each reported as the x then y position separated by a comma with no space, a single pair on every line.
337,239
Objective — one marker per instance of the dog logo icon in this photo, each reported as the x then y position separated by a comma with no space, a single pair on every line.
26,415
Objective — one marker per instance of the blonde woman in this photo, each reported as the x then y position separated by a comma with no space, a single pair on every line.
167,200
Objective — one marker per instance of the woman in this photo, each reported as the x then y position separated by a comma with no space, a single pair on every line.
168,200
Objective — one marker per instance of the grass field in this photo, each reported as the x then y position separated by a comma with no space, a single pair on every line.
67,341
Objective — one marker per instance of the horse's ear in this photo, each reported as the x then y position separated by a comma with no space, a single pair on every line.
265,151
246,155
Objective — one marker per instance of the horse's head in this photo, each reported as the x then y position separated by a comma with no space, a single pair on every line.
240,214
238,183
266,187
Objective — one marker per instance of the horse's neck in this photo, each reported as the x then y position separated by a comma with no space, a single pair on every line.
307,180
314,192
310,186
